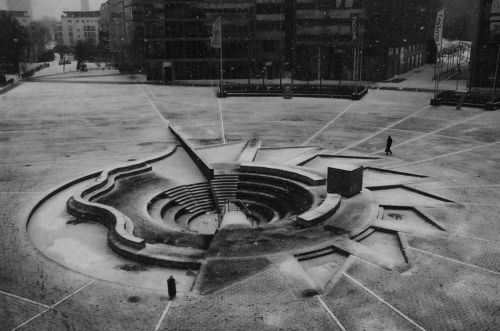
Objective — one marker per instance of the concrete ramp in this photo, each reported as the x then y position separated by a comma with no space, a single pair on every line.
251,149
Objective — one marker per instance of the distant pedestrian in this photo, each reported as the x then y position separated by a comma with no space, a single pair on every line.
388,146
172,291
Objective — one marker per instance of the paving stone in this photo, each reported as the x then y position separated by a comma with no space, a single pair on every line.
481,253
358,310
104,306
469,220
436,293
14,311
261,302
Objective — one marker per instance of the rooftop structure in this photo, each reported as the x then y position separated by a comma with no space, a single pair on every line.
20,5
23,17
85,5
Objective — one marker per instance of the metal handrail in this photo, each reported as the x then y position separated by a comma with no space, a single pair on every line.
240,207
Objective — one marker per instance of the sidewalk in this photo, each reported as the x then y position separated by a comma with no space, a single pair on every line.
421,78
418,79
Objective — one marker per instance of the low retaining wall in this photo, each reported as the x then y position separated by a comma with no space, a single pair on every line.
203,165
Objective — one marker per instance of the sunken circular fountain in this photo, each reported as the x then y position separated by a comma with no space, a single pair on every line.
177,209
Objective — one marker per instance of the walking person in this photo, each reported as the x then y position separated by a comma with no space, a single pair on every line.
172,291
388,146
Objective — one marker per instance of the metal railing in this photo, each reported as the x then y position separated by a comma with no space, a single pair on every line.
237,205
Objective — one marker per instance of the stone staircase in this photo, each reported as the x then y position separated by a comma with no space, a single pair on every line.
223,188
195,198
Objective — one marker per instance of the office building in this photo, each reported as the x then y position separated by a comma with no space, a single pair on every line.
78,26
486,46
298,39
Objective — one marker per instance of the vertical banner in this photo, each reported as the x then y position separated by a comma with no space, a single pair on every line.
438,28
354,26
216,40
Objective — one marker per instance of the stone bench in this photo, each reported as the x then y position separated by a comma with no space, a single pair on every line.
321,213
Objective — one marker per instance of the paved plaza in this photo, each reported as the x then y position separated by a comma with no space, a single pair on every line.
443,180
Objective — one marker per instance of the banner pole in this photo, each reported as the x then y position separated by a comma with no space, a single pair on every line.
221,68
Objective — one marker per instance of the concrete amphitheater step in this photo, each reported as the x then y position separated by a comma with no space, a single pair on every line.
321,213
159,254
275,203
94,193
294,173
183,221
159,207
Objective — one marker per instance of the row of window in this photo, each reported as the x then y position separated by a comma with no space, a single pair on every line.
85,21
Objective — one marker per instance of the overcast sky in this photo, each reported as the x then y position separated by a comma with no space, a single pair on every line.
54,8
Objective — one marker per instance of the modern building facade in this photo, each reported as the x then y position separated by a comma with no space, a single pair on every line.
298,39
28,54
486,46
122,30
78,26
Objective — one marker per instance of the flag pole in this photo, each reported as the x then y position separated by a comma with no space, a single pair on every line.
221,68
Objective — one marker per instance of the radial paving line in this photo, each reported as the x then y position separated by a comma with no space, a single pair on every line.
78,142
24,299
328,124
384,129
322,303
457,261
385,302
432,132
476,238
66,128
151,92
479,204
54,305
222,123
154,106
20,192
441,156
73,160
163,315
455,186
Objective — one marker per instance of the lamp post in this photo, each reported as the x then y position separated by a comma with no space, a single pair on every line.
15,40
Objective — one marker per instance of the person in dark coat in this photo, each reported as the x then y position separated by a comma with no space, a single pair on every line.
172,291
388,146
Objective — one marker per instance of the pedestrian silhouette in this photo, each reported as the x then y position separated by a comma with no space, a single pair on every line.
388,146
172,291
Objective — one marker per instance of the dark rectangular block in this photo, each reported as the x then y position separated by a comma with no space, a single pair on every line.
346,180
